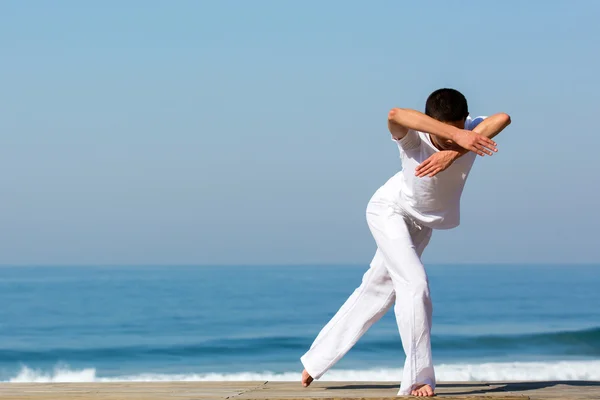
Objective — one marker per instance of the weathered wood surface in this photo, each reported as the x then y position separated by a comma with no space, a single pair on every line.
292,390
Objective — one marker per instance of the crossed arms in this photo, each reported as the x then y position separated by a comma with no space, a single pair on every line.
479,140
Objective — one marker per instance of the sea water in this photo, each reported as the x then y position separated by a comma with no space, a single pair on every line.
491,322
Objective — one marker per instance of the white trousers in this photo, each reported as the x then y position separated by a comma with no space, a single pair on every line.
396,276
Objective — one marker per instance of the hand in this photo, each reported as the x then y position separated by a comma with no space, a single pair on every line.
475,142
436,163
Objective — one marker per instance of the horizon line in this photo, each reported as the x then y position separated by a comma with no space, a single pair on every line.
288,265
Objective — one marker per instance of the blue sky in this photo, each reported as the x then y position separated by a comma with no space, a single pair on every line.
238,132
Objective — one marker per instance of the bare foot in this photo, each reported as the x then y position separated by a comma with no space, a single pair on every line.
306,378
422,391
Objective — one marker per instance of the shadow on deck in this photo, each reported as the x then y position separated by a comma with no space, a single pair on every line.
498,387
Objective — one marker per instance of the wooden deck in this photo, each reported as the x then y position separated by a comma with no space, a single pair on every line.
292,390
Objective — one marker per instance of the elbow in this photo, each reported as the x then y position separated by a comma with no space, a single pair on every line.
395,115
505,119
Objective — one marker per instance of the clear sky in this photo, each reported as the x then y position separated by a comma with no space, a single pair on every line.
249,132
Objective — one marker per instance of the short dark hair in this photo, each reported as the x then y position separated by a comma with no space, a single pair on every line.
447,105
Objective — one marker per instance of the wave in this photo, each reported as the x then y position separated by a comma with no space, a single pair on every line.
517,371
584,342
234,347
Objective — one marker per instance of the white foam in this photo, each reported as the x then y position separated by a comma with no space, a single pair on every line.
517,371
60,374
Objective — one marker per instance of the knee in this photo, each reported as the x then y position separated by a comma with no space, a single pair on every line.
376,283
420,288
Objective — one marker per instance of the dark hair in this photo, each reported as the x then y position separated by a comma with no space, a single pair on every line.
447,105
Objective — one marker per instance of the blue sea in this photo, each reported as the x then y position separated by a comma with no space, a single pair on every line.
74,324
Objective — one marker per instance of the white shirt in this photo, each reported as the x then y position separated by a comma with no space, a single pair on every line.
434,202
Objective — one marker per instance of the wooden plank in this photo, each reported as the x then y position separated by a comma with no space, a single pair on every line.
574,390
370,391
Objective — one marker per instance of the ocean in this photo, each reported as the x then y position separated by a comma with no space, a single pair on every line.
491,322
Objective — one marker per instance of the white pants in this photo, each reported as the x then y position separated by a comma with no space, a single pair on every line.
396,275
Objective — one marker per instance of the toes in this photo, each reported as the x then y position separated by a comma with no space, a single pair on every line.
306,378
423,391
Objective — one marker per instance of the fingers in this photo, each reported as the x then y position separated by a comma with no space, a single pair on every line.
434,172
484,146
424,165
422,173
491,144
430,170
425,172
423,168
477,150
481,150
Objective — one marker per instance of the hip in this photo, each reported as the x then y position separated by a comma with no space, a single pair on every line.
383,208
389,200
